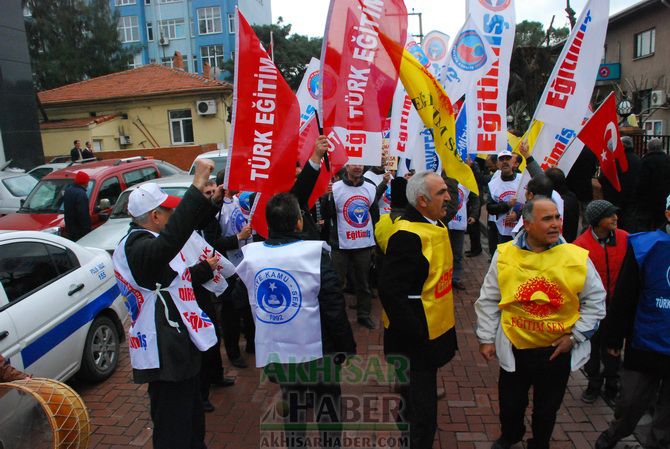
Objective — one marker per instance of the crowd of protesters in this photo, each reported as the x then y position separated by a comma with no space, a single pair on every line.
569,282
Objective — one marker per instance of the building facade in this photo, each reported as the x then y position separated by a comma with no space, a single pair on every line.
152,106
201,30
637,62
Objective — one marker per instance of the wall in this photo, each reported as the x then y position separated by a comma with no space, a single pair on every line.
182,157
19,128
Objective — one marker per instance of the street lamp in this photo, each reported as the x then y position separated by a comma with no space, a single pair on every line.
624,109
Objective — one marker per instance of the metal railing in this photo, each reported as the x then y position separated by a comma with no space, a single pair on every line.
640,142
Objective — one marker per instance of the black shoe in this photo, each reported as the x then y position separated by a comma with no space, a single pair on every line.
250,348
458,285
604,442
473,254
590,394
239,362
366,322
501,443
207,406
224,382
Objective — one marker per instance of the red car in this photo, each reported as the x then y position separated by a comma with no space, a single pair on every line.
43,208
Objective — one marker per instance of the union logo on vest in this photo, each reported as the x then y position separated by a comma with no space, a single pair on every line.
468,52
278,296
539,297
356,211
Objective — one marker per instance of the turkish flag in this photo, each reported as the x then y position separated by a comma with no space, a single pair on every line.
259,222
601,135
308,136
266,119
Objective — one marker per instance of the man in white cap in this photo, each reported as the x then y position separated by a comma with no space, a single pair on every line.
168,330
502,203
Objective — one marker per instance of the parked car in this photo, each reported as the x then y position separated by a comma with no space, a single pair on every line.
60,309
15,185
43,208
41,171
219,157
63,158
110,234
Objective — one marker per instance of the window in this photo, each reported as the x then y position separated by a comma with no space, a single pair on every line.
231,23
24,268
171,28
97,145
213,55
136,176
20,185
150,31
136,62
110,189
167,61
147,2
63,258
645,43
168,169
123,2
168,1
181,126
128,29
653,127
209,20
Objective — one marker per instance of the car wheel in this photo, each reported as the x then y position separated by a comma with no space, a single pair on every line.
101,351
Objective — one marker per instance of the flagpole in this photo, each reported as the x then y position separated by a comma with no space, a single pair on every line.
272,46
326,160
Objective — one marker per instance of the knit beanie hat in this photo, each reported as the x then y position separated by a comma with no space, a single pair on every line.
82,178
597,210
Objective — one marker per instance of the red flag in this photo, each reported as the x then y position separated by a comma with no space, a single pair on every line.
308,136
601,135
266,117
258,221
359,76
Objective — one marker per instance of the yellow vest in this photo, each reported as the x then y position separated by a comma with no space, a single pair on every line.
437,296
540,301
384,229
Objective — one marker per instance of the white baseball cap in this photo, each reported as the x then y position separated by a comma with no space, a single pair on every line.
148,197
505,152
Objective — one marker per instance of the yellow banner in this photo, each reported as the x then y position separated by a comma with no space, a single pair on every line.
530,135
435,110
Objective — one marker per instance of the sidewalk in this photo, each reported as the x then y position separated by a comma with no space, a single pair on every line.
467,417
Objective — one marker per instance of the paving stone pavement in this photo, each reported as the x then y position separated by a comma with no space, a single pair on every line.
467,416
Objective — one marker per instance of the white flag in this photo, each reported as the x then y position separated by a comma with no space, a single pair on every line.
469,58
309,91
487,119
436,47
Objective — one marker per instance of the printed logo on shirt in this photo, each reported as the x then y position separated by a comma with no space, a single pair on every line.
238,220
539,297
132,298
196,321
278,296
444,284
138,342
357,211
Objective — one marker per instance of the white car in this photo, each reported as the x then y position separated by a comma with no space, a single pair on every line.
60,309
15,185
219,157
109,235
41,171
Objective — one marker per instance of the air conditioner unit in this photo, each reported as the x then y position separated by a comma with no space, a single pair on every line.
163,41
658,98
124,140
206,107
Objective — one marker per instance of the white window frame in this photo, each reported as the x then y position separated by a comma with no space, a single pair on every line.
214,59
128,29
231,23
181,121
137,61
650,127
161,2
124,2
210,16
150,31
168,28
645,44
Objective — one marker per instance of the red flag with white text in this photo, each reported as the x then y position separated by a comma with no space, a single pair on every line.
266,117
359,76
308,137
601,135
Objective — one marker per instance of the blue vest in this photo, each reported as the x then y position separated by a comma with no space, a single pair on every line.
652,320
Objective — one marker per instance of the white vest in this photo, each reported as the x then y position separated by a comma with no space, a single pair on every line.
352,207
460,220
283,283
384,202
232,220
141,303
503,191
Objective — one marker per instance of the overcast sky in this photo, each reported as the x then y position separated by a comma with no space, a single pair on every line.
309,17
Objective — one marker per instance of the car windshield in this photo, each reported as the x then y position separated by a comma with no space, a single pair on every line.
20,185
121,208
219,164
47,196
168,169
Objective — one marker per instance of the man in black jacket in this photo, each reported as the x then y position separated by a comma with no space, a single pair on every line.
653,187
286,328
142,261
625,199
78,153
75,205
416,292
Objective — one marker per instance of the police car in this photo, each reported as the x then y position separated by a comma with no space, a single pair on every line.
60,308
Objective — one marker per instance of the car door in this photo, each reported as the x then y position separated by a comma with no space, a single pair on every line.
110,189
46,292
9,341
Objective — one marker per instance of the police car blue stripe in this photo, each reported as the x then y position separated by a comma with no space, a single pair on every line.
31,353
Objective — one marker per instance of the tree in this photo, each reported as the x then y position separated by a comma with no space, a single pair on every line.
73,40
292,51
